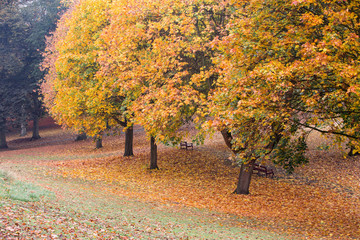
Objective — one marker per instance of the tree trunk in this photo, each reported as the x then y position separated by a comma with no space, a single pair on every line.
3,143
228,138
23,129
36,134
36,113
129,136
245,178
98,142
81,136
245,169
153,155
23,122
352,152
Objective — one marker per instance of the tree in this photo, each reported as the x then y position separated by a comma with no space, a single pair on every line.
75,95
159,51
287,67
75,67
41,17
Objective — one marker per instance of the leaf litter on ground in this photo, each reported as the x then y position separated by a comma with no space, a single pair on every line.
320,200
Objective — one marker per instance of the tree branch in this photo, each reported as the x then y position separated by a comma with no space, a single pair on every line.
325,131
122,123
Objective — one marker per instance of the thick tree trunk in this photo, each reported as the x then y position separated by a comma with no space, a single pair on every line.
36,134
98,142
245,169
153,155
245,178
3,143
129,136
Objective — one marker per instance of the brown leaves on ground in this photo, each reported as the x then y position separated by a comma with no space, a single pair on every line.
319,200
31,220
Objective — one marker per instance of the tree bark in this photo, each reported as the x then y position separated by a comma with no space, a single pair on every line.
23,129
227,138
153,154
228,141
352,152
36,113
244,178
3,143
23,121
36,134
245,169
129,136
98,142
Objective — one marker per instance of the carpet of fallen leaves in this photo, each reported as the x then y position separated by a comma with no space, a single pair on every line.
320,200
30,220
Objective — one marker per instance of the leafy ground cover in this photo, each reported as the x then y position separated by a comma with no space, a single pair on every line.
100,194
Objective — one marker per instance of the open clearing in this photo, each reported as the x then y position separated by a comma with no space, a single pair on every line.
76,191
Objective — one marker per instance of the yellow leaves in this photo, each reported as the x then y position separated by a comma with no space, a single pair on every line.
310,20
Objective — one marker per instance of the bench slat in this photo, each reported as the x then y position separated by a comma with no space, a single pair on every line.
263,169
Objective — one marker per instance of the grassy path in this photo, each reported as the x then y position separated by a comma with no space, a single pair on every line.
88,210
85,193
36,204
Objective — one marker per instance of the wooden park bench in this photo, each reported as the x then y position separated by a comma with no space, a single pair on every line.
259,168
186,145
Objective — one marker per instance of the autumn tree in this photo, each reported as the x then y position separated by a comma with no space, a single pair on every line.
160,52
75,95
287,67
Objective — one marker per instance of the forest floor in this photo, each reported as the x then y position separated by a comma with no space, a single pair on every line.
56,188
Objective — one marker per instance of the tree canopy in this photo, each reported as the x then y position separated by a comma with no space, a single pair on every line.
264,73
162,56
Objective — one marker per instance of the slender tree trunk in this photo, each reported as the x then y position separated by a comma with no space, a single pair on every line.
36,134
129,136
3,143
36,112
228,141
352,152
244,178
153,155
23,122
23,129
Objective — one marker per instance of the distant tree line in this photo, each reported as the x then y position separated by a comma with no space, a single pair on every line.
24,24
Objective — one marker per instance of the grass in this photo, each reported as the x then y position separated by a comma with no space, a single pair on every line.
18,190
